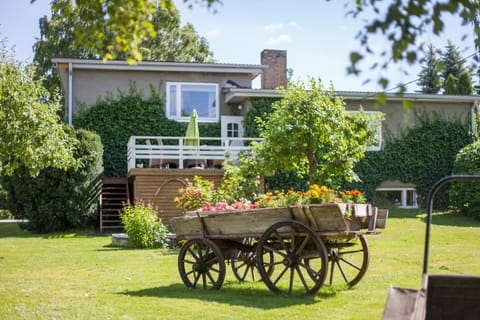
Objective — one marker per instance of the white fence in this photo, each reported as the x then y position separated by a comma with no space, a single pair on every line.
170,152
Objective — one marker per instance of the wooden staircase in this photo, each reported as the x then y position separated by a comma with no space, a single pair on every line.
114,197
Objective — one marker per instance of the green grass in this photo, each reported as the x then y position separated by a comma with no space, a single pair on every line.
76,276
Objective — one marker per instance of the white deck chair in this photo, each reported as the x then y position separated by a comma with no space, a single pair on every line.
154,161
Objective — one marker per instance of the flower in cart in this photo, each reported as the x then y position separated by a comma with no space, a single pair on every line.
242,204
207,207
194,195
321,194
352,196
267,200
222,205
290,198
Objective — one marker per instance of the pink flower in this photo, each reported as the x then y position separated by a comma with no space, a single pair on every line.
207,207
222,205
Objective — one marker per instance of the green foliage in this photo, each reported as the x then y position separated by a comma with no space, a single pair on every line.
393,21
143,227
452,62
465,196
240,181
116,120
429,78
450,86
119,28
421,155
260,108
171,42
57,199
30,133
465,84
310,132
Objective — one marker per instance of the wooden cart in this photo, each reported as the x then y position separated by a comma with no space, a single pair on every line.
291,249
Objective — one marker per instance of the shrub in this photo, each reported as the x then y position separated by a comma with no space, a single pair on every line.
143,227
58,200
465,195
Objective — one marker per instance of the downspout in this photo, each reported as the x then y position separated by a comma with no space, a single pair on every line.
70,94
474,111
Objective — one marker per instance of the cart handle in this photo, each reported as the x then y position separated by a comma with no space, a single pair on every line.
431,194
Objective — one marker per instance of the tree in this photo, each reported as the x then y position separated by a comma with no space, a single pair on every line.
30,132
113,28
452,62
130,21
394,23
465,86
172,42
450,85
429,79
310,132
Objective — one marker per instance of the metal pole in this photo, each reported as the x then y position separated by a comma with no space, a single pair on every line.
431,194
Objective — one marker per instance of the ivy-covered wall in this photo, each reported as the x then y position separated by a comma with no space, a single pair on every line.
420,154
116,120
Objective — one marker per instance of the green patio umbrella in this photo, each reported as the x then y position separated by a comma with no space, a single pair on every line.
192,135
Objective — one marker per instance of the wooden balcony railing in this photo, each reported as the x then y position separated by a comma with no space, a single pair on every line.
171,152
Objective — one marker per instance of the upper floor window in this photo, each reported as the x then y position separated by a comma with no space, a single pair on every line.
183,98
377,125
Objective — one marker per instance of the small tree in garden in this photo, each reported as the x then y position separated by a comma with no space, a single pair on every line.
310,132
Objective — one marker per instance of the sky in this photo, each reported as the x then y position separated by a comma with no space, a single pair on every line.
318,37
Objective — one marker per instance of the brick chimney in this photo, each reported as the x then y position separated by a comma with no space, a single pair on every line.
275,75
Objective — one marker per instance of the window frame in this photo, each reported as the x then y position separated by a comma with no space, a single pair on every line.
178,98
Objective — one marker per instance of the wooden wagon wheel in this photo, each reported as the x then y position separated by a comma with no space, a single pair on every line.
348,260
300,258
244,265
200,260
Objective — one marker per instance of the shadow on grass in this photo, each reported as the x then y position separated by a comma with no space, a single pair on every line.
15,230
233,293
445,218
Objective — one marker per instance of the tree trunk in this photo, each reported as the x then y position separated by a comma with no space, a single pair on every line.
312,163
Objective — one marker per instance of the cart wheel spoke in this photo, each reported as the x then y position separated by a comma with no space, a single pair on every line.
295,248
201,259
280,275
351,258
350,264
244,265
292,276
302,278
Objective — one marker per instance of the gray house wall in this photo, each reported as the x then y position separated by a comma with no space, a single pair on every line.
89,85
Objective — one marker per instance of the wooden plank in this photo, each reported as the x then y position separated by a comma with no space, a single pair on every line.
328,217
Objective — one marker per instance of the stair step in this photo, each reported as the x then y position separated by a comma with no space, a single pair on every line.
114,197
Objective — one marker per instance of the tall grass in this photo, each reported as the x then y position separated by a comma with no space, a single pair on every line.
77,276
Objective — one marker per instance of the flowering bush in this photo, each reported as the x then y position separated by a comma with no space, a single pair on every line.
142,225
352,196
321,194
194,195
202,195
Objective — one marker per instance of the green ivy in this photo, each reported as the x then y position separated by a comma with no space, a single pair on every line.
116,120
259,108
421,154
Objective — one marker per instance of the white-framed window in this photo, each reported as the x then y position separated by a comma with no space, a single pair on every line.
233,130
184,97
377,124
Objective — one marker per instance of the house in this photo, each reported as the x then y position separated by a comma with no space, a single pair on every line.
220,93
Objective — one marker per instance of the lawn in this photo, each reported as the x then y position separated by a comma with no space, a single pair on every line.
77,276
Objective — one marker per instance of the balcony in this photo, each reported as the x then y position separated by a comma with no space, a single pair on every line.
172,152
